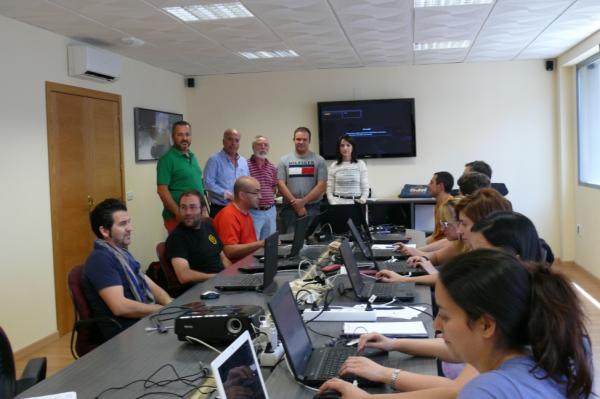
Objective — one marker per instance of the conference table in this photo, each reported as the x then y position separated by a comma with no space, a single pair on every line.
136,353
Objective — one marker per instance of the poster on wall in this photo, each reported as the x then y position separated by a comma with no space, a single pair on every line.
152,133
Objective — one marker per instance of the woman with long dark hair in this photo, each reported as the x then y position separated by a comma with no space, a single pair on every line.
347,178
521,326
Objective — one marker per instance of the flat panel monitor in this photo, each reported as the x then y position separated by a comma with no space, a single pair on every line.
380,128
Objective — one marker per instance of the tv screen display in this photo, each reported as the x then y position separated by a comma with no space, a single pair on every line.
380,128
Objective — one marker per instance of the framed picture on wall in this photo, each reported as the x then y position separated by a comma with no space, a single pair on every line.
152,133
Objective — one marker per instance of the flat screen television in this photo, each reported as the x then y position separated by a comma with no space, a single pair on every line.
380,128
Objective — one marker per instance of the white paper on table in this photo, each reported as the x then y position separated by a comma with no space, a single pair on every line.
63,395
395,328
393,312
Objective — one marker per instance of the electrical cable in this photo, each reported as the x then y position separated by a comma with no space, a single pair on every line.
193,339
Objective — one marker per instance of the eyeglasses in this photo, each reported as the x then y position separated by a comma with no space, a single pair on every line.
257,192
445,224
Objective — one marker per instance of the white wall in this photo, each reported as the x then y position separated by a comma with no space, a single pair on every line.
31,56
583,200
503,113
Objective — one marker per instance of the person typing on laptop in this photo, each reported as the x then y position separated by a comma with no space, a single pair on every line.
234,223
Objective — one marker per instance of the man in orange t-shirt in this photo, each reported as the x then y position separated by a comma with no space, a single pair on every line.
440,186
234,223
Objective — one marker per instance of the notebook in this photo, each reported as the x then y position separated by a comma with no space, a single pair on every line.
249,282
311,366
376,252
288,256
365,289
400,266
287,251
237,373
379,238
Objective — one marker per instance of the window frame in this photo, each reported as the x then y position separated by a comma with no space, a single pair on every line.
580,66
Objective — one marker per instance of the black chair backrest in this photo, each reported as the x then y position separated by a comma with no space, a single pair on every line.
7,368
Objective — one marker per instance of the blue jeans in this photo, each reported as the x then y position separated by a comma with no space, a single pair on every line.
264,222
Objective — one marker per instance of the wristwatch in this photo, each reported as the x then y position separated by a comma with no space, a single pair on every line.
394,378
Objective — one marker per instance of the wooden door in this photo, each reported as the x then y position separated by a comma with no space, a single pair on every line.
85,164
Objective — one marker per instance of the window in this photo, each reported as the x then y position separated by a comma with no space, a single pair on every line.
588,121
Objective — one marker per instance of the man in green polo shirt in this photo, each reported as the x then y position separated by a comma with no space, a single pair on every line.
177,171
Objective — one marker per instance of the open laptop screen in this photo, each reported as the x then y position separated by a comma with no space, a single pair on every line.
299,233
366,251
291,329
237,373
351,268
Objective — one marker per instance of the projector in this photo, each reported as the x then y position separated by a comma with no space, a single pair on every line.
219,324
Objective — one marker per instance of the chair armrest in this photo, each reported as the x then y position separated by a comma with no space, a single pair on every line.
97,320
36,369
34,372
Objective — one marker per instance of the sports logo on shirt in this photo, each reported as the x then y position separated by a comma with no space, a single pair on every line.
301,169
212,239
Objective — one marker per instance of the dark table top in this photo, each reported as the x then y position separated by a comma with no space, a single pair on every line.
136,353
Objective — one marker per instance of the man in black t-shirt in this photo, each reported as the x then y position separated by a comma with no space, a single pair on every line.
194,248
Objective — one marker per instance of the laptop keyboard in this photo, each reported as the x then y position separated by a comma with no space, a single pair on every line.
383,290
242,280
336,356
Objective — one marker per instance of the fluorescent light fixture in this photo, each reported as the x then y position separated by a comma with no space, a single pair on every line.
209,12
441,45
256,55
181,13
587,296
449,3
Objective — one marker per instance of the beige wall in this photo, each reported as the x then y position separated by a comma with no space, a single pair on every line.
31,56
581,202
503,113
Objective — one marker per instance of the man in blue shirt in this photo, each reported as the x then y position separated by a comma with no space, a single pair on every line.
112,280
222,170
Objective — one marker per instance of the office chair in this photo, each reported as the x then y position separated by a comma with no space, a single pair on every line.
86,334
35,371
174,287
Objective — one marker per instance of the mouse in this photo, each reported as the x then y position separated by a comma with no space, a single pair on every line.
210,295
329,394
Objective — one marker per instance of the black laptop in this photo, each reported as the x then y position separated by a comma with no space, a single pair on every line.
379,238
400,266
365,289
366,247
289,259
311,366
251,282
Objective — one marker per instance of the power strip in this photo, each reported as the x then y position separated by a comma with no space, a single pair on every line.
344,314
271,359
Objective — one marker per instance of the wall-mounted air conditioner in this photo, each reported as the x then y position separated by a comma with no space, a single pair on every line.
92,63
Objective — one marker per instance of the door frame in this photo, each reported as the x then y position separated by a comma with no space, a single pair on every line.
52,87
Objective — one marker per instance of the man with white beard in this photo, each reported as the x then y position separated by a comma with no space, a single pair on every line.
264,216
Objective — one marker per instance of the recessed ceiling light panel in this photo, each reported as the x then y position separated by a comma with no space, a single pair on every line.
209,12
441,45
257,55
449,3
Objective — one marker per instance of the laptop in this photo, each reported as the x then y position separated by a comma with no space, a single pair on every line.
253,282
237,373
367,249
400,267
379,238
363,290
311,366
289,258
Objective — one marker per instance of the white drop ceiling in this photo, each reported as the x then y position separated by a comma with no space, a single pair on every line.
325,33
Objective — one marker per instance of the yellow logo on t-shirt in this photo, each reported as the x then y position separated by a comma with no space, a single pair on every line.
212,239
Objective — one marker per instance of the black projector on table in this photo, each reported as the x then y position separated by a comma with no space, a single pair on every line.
219,324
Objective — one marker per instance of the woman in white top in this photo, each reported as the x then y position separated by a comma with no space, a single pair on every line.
347,177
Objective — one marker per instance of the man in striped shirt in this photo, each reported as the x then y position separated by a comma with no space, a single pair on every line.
264,216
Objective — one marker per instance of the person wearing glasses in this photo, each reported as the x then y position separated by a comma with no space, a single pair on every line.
234,222
193,247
